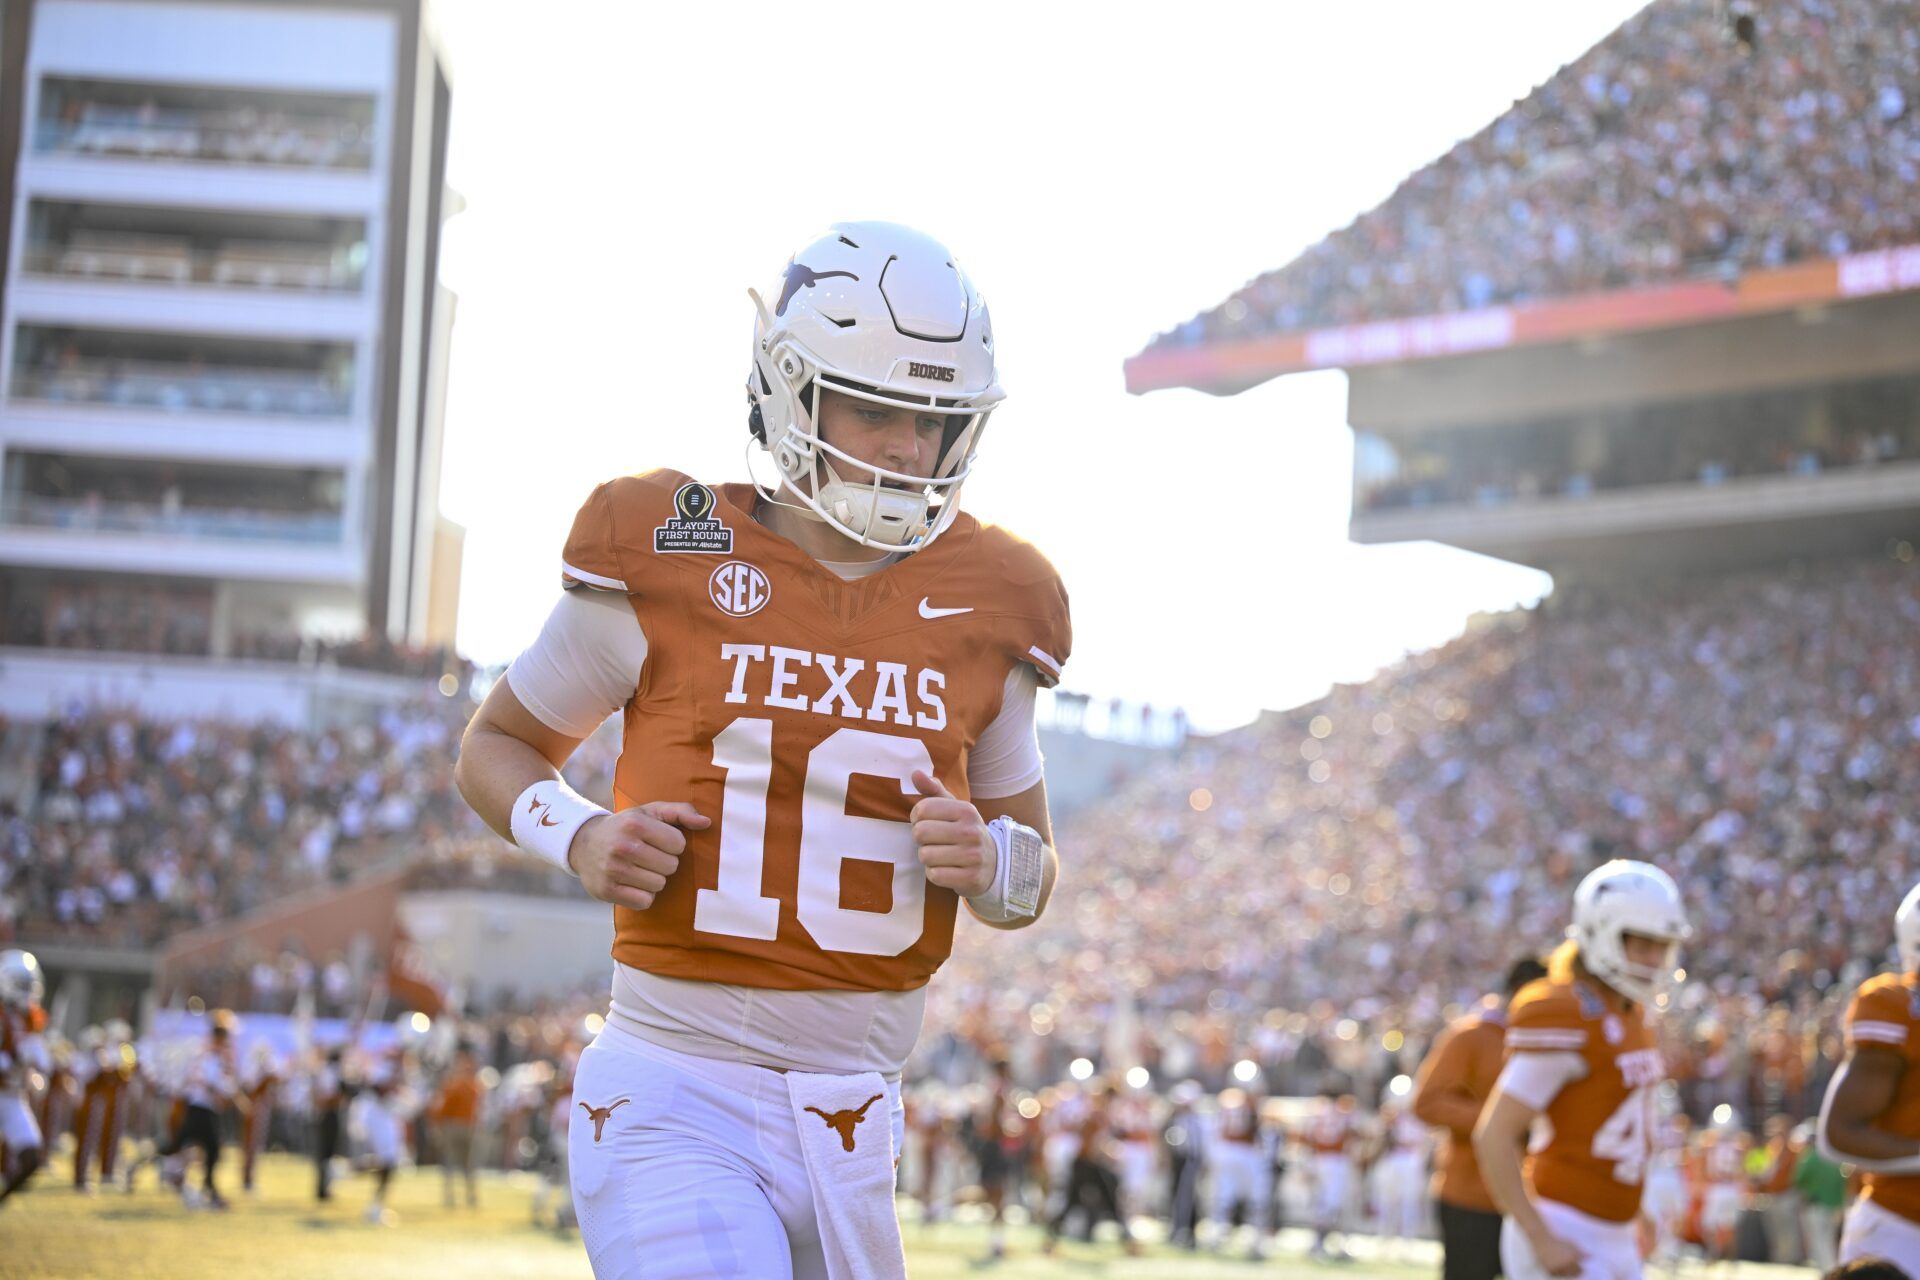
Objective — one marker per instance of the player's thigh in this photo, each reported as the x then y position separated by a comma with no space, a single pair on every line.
1871,1231
18,1129
672,1206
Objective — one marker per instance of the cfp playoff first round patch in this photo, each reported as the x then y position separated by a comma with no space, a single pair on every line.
693,527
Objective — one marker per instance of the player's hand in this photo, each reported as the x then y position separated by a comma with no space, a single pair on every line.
625,858
1555,1255
1645,1234
952,838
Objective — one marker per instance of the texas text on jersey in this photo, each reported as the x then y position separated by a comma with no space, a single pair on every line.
1595,1158
1885,1013
796,706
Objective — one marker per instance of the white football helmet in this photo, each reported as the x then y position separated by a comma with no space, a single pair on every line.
1906,931
878,312
21,982
1623,897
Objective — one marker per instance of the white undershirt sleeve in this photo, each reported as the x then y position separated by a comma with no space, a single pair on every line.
585,665
1006,758
1537,1078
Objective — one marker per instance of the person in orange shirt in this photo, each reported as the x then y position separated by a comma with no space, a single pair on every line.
827,682
455,1114
1582,1053
1453,1083
1871,1117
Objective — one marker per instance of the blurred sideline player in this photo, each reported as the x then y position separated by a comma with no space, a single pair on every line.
1454,1082
828,685
1871,1117
22,1053
210,1083
1330,1135
1581,1052
1667,1196
1239,1163
1720,1171
1398,1175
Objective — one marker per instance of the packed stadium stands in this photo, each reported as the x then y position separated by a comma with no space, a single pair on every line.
1700,137
1315,891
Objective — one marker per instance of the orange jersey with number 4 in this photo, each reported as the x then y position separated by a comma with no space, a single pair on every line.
1885,1014
1594,1156
792,708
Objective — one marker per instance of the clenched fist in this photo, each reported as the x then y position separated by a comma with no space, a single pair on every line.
954,844
625,858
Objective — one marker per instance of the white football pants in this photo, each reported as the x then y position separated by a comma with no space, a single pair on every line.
685,1168
1240,1172
18,1128
1333,1174
1873,1232
1608,1250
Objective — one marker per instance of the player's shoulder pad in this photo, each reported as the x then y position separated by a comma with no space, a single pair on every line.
1027,590
1547,1014
1014,560
1883,1004
613,523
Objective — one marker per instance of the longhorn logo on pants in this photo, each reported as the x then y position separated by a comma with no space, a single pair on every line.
842,1122
599,1116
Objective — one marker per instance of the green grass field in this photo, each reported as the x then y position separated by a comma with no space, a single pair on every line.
50,1231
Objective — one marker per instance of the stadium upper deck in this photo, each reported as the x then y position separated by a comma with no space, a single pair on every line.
1664,312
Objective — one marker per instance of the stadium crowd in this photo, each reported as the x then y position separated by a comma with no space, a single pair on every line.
1700,137
1704,442
1318,892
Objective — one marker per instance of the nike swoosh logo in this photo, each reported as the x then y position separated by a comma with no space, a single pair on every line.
547,820
928,611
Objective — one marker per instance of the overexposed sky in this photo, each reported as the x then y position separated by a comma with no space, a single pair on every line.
1101,172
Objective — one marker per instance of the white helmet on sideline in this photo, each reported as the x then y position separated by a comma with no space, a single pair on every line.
1619,898
879,312
1906,931
21,982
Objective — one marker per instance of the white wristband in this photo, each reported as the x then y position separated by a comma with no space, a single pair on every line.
546,817
1018,872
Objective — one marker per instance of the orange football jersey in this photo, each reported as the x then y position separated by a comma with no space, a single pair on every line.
791,708
1328,1132
1885,1014
1595,1156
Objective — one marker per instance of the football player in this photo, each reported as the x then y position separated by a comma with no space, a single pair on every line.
828,682
22,1053
1720,1170
1581,1053
1399,1176
1453,1083
1238,1159
1331,1134
1871,1116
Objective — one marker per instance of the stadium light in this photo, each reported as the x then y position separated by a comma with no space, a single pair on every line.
1081,1069
1137,1077
593,1022
1400,1086
420,1023
1245,1070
